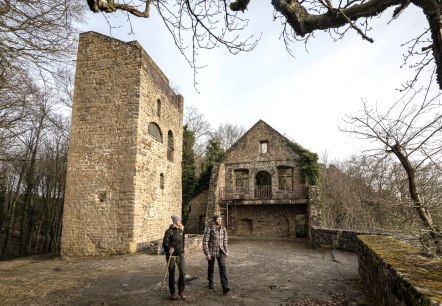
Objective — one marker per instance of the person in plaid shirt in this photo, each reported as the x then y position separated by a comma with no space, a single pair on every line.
215,246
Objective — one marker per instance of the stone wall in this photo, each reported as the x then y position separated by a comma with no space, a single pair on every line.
154,204
246,154
283,208
121,188
192,244
271,221
314,206
335,239
397,274
270,166
213,196
197,216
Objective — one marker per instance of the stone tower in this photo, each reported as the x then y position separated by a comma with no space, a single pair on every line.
124,164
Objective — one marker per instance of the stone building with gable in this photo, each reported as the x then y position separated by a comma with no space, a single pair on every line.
262,188
124,162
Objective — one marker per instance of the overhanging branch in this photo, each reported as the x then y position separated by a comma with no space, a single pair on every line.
303,22
109,6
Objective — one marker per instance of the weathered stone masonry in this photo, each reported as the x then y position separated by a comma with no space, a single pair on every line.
124,162
396,273
259,189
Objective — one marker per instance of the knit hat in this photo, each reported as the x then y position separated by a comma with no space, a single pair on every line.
216,217
175,218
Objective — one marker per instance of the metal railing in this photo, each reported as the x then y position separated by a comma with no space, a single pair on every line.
263,192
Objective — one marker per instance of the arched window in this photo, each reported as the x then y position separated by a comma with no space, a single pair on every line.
158,107
161,181
155,131
170,146
263,185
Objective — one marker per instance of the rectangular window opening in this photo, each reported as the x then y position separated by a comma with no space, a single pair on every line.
264,146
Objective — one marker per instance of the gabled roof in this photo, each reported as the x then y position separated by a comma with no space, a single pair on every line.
260,121
308,160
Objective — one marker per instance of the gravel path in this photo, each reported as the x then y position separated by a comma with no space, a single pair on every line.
261,272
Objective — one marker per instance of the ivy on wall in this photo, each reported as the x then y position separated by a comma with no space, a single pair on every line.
309,163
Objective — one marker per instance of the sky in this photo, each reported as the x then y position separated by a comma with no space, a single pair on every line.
304,97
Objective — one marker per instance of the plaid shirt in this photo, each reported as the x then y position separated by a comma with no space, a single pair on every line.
215,240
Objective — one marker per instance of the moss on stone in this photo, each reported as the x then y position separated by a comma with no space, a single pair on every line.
422,273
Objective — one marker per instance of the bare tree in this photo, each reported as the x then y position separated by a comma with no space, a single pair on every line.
194,25
213,23
16,105
199,126
33,168
367,193
225,134
37,45
353,192
412,132
228,134
37,36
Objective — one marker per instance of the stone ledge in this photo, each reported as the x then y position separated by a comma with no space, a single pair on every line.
397,274
336,239
193,243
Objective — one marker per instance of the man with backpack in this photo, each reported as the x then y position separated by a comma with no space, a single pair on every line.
173,244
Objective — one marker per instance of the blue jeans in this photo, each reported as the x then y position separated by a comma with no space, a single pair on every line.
180,262
222,270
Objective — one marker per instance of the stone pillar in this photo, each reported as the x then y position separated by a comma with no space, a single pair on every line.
314,208
217,180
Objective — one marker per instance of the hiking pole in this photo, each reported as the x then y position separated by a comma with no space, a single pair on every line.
165,273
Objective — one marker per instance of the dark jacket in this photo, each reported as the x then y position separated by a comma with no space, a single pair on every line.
174,238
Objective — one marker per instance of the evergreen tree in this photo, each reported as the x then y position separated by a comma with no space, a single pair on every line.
188,171
214,154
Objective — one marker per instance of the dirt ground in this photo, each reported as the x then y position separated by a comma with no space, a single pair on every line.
261,272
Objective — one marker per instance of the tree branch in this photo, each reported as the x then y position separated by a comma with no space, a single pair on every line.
109,6
303,22
239,5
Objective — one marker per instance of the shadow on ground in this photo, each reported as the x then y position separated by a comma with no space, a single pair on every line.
261,272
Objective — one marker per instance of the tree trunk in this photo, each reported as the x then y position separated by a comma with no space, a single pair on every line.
12,202
423,213
25,235
433,12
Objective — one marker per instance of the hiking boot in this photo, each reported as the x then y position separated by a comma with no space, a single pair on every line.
211,286
173,296
182,295
225,290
